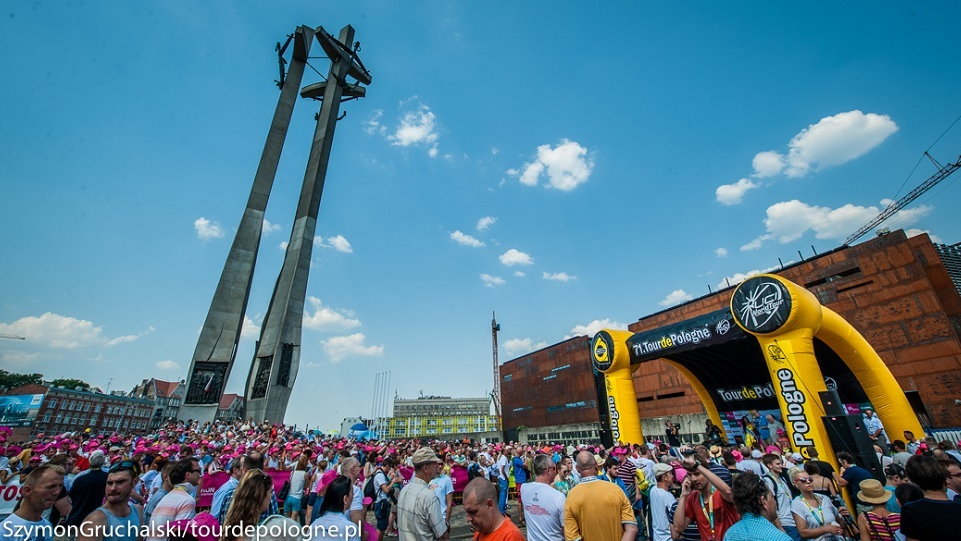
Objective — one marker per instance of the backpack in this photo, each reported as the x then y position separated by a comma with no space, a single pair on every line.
370,488
773,482
641,481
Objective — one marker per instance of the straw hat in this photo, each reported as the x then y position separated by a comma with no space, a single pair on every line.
872,491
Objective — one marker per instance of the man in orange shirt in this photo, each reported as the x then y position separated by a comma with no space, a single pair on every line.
480,505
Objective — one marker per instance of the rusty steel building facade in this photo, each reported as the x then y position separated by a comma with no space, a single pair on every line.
902,294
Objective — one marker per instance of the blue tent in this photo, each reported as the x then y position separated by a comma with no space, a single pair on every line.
359,427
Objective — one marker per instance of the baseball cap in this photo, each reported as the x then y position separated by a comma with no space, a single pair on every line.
660,468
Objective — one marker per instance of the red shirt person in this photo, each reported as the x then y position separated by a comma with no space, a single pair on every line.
705,500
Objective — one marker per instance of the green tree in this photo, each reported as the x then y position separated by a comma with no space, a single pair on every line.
12,379
70,383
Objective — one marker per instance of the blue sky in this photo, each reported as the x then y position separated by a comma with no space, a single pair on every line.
626,157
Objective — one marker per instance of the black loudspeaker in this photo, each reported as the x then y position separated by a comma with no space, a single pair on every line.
832,403
847,433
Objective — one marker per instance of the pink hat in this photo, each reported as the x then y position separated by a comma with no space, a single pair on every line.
618,451
173,448
326,479
14,450
201,527
737,455
773,449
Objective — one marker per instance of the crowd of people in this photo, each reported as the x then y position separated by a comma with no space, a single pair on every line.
232,481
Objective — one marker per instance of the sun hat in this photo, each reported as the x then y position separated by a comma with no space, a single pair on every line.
872,491
756,454
424,455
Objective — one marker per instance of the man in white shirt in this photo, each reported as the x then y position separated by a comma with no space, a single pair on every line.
500,469
875,429
661,502
543,504
38,493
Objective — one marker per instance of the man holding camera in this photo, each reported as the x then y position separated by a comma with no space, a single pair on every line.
705,500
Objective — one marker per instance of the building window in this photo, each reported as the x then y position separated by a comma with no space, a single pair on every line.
86,406
96,408
52,403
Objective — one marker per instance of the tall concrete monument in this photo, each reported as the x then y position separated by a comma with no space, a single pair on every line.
274,368
275,364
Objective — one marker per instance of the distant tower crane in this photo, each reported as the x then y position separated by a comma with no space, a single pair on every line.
496,393
943,172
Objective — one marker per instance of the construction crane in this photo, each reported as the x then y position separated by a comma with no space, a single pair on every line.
943,172
496,393
12,336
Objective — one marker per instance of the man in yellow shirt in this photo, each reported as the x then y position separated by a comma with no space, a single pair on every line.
597,510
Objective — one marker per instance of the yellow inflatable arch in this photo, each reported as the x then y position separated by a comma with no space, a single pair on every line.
785,318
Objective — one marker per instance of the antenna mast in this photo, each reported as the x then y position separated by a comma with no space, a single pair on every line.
497,370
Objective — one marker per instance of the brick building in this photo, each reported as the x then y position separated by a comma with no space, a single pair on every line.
231,407
68,410
167,396
899,292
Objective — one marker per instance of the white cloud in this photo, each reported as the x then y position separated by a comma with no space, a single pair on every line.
207,230
593,327
269,228
737,278
282,245
767,163
372,125
521,346
720,252
417,128
18,357
558,276
567,166
835,140
484,223
337,242
249,328
915,232
122,339
167,365
465,240
675,297
755,244
515,257
520,274
492,281
789,220
62,332
732,194
495,151
340,347
326,318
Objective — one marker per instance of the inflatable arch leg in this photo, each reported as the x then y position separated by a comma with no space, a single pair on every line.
702,393
875,377
610,357
784,317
